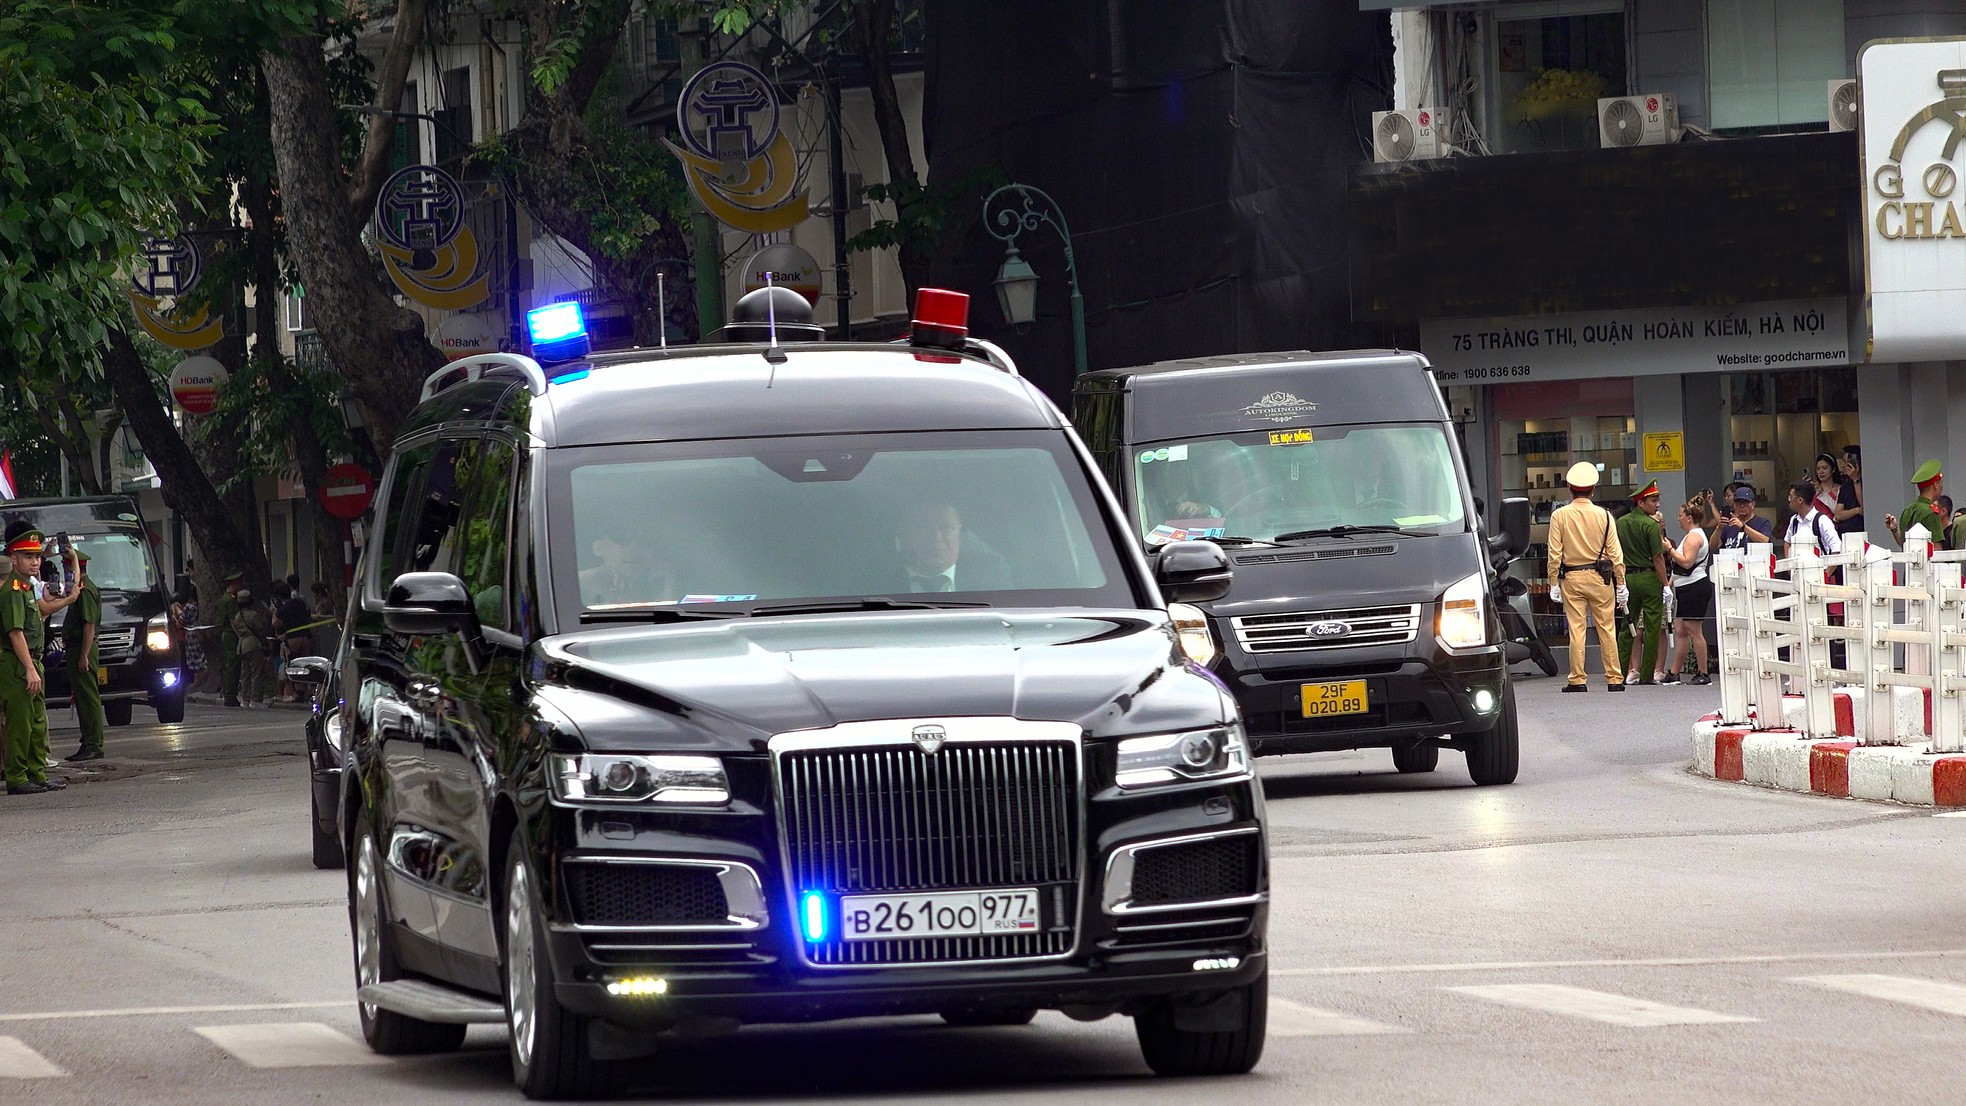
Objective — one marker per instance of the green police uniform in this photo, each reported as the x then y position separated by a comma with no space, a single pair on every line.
1920,512
82,663
1642,538
228,644
27,715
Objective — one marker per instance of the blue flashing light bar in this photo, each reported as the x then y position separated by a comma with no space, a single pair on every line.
813,910
559,331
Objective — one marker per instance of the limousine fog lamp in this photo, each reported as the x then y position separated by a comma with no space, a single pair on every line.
639,986
628,778
1181,757
157,634
559,331
1464,614
1484,700
812,914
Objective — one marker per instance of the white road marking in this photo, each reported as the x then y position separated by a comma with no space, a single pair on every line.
289,1045
1294,1019
1656,962
1600,1006
17,1061
1932,994
145,1011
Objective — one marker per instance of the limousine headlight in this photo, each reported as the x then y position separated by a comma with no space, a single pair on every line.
1179,757
625,778
157,634
1464,614
1191,627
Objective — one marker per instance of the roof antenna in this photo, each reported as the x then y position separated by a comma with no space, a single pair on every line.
773,353
661,312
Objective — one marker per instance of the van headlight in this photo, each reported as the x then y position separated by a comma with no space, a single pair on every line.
1191,628
1464,614
331,730
157,634
1212,753
626,778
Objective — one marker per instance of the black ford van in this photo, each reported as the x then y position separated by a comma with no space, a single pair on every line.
142,658
1362,613
697,687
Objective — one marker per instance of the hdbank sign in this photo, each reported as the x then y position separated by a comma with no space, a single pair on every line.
1913,111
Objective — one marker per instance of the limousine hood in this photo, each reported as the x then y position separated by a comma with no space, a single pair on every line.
732,684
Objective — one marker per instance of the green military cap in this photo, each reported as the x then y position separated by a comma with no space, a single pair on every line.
234,577
81,556
1927,472
27,541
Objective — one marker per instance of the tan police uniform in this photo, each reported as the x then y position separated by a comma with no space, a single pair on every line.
1581,535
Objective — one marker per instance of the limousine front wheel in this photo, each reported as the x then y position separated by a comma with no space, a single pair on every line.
1224,1038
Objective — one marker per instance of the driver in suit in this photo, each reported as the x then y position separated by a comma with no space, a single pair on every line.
936,558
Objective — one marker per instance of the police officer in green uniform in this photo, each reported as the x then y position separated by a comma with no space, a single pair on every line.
78,638
1920,512
23,693
1642,538
228,640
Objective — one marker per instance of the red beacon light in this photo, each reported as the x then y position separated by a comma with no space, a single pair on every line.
941,319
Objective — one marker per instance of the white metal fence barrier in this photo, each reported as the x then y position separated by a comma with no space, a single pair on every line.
1900,621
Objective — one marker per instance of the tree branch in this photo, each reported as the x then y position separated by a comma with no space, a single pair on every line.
390,77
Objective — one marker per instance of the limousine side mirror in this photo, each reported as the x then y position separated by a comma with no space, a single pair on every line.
429,603
1192,571
308,671
1511,539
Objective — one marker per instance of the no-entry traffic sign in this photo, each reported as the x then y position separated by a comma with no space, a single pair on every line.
346,491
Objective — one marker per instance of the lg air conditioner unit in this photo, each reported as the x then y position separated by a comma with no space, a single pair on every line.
1414,134
1843,104
1648,119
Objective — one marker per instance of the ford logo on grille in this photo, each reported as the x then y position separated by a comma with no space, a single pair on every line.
929,739
1324,631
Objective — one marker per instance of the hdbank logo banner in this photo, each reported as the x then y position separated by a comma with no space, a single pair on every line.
1912,118
166,272
738,162
431,255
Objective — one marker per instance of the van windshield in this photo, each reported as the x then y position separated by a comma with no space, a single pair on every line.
118,560
1269,483
986,518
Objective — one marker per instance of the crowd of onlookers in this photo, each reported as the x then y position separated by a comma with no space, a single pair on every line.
269,628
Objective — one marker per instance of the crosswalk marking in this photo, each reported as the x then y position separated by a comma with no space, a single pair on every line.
17,1061
1294,1019
289,1045
1601,1006
1932,994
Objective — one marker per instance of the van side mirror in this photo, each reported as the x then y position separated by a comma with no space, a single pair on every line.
429,603
1192,571
308,671
1511,539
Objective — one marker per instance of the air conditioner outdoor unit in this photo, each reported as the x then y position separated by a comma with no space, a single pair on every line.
1843,104
1414,134
1648,119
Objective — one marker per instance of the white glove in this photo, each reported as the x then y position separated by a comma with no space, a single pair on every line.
1556,594
1624,596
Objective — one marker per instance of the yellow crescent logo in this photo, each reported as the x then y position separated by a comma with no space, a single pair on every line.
447,284
195,331
762,201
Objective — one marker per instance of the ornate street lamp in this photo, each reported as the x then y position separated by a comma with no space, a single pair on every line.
1007,213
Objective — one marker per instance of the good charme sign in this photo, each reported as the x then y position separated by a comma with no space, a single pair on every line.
1913,100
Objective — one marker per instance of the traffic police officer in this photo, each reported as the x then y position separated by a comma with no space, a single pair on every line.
23,691
1589,567
1920,512
78,637
1643,540
228,640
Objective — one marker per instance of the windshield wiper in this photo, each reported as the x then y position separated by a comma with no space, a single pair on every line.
1341,531
870,603
1233,539
654,614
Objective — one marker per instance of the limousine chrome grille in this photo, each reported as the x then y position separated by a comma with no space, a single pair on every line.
866,809
1340,629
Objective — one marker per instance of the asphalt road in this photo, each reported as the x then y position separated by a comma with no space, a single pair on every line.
1608,929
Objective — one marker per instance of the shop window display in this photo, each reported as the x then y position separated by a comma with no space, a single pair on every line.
1779,422
1533,455
1549,74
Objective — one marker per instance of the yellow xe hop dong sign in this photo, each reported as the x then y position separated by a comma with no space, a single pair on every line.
738,162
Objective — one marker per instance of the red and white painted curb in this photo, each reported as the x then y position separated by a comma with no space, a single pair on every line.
1789,760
